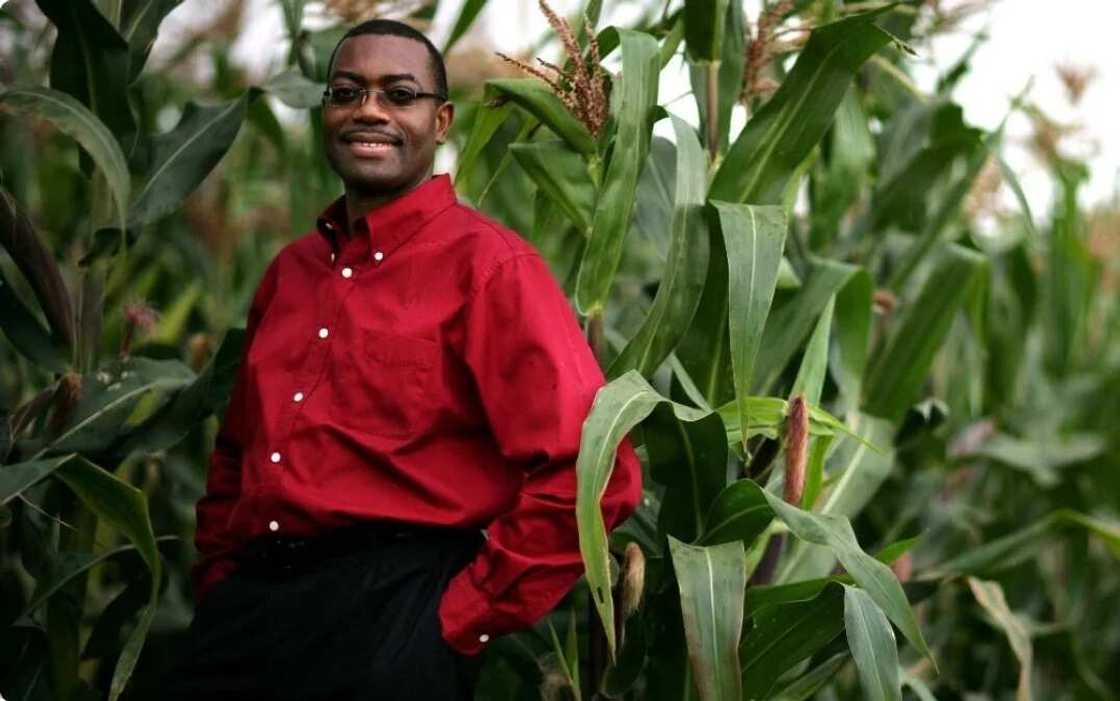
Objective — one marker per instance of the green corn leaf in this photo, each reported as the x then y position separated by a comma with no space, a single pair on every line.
561,174
139,25
101,415
917,686
791,321
703,29
856,472
728,68
753,237
839,181
939,140
781,135
814,477
467,15
682,283
739,512
104,639
873,576
814,362
1009,550
637,95
38,267
535,97
1042,456
946,210
1071,276
16,478
295,89
690,460
712,584
770,595
848,361
205,395
768,414
782,635
126,509
179,160
1012,181
488,119
859,468
705,351
25,332
760,164
562,659
874,650
76,121
293,16
990,596
67,566
91,62
898,371
618,407
806,686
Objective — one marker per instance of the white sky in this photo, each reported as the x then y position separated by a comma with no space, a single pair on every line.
1028,39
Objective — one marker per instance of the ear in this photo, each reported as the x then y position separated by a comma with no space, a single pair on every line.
445,115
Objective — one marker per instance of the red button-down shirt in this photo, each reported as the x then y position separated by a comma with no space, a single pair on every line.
424,366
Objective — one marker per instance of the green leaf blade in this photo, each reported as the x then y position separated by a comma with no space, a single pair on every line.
873,646
712,584
638,88
754,238
682,283
78,122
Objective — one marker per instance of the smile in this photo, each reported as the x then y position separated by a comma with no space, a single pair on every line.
363,148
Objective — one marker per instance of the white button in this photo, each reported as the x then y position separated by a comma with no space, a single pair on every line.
378,255
298,396
273,526
323,332
275,457
483,638
332,257
347,272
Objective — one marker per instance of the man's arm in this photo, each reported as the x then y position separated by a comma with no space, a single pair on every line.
223,478
536,377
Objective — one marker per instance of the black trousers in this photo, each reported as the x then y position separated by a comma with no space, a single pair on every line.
346,616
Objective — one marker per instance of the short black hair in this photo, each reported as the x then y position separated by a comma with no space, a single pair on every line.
390,27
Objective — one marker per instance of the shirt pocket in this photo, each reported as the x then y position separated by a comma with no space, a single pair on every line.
384,386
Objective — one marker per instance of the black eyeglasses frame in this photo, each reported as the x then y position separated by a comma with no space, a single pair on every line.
366,92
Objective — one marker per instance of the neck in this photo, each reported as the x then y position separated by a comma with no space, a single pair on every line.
361,202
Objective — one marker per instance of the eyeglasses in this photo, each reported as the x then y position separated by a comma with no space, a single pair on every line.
396,96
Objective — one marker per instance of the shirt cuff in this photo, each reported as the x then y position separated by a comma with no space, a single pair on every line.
463,611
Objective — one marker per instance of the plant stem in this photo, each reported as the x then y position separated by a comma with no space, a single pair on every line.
595,334
711,128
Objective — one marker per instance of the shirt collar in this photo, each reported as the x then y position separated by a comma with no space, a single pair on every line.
390,225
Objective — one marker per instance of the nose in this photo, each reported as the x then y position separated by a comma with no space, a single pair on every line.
371,110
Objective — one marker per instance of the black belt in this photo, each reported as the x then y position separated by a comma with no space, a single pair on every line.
285,555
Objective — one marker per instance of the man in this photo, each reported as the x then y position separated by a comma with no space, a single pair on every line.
412,373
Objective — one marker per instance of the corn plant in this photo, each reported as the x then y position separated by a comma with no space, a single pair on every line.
755,323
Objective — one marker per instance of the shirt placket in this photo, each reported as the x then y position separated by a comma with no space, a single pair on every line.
325,330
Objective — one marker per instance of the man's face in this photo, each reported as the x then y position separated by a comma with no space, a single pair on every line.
377,149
